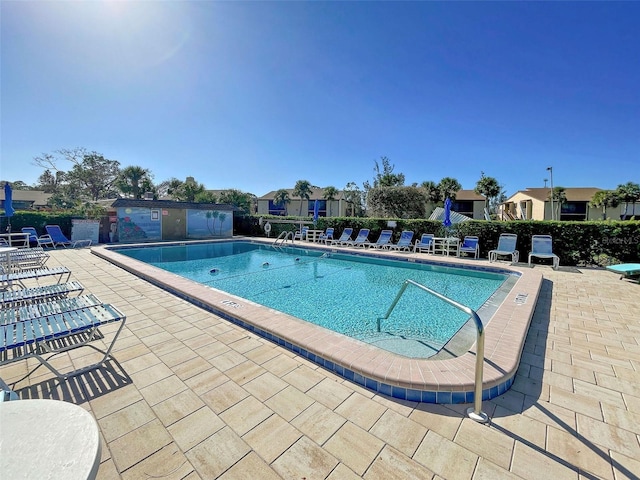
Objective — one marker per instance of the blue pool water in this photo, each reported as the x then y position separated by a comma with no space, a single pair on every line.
341,292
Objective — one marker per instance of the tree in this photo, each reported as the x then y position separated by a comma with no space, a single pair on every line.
330,194
91,177
133,180
94,175
386,177
629,193
605,199
50,182
240,200
559,197
432,191
302,190
489,188
397,202
448,187
186,191
281,198
353,196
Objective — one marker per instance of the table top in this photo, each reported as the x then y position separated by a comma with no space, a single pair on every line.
48,439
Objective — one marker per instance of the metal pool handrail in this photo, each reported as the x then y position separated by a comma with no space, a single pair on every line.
283,237
476,412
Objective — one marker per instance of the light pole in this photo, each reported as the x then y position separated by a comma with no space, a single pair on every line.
550,169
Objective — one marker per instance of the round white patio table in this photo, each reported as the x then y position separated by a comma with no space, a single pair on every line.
48,439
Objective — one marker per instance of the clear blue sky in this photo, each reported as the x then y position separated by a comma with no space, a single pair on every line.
258,95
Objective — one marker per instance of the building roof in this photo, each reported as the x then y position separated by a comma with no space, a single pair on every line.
573,194
38,198
469,195
129,202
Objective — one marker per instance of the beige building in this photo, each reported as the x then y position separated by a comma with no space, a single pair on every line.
304,207
534,204
469,204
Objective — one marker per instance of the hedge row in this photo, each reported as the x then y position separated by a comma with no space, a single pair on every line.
576,243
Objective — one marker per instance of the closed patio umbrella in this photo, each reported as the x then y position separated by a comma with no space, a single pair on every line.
316,207
8,204
447,213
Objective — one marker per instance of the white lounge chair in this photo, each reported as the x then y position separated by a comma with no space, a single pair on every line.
506,247
542,247
327,236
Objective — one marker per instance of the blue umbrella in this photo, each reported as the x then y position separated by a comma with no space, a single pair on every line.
316,207
8,203
447,213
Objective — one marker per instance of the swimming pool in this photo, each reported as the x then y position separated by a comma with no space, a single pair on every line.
439,379
345,293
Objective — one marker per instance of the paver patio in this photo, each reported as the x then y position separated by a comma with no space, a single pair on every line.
190,395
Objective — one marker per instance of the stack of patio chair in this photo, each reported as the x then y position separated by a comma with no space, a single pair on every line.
41,322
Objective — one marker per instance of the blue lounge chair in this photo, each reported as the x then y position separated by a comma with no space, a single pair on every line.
425,243
506,247
345,237
35,240
327,236
470,244
406,237
542,247
361,239
383,239
626,270
57,236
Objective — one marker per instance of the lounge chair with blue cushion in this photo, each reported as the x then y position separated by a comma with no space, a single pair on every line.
327,236
626,270
471,245
406,237
35,240
425,243
383,239
506,247
345,237
542,247
361,239
57,236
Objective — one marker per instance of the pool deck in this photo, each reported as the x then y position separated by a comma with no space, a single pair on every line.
192,395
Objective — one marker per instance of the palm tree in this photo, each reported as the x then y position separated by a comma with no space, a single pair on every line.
488,187
448,187
302,190
559,197
605,199
629,193
281,198
131,179
431,189
330,194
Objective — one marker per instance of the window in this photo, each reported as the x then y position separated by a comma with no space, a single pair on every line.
573,211
465,207
277,209
322,208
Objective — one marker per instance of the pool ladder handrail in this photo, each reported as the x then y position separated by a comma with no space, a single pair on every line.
475,412
283,237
